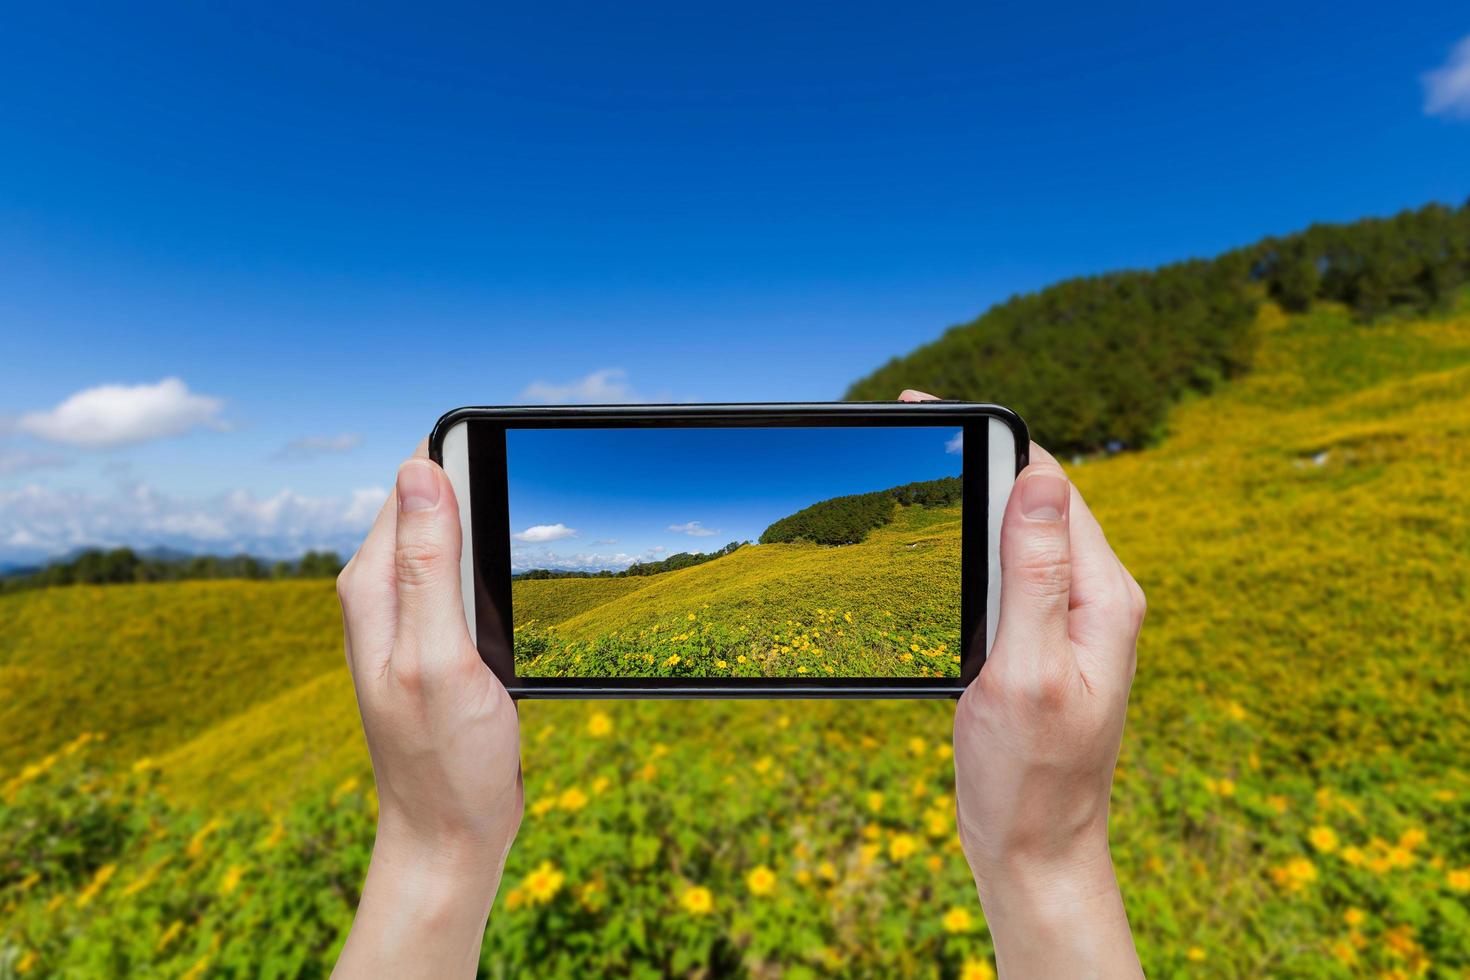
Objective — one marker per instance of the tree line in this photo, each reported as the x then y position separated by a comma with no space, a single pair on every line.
673,563
849,519
99,567
1096,361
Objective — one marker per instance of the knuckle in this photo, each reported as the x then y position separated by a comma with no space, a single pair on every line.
408,674
1046,575
415,562
344,585
1043,691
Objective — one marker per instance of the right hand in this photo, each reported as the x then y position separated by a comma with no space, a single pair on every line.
1037,737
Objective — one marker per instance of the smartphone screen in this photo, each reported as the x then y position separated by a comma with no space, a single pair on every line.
736,552
794,550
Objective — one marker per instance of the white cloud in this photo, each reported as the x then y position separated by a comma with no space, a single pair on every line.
657,549
694,529
606,387
120,415
604,541
310,447
542,533
525,559
11,463
956,444
1447,88
37,522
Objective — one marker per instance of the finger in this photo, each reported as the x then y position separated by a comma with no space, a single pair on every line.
1036,569
910,395
426,564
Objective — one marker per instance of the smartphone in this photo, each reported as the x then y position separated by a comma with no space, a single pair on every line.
741,550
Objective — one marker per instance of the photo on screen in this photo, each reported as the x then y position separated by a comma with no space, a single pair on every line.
817,552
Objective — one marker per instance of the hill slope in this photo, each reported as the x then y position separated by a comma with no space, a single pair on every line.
1100,359
888,605
1295,745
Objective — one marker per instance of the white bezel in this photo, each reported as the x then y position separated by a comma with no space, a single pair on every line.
456,451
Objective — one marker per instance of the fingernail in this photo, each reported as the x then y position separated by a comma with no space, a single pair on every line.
1044,497
417,487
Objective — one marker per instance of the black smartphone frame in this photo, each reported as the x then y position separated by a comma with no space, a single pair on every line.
490,527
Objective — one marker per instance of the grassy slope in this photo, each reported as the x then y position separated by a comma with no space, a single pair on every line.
1301,534
856,609
154,665
549,601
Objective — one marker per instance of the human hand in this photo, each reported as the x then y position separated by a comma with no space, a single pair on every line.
443,736
1037,736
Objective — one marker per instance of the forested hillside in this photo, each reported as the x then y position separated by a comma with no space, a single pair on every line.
1098,360
848,519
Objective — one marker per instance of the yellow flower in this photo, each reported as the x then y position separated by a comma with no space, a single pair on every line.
1400,857
1412,838
673,660
1344,953
599,725
196,843
977,970
761,880
913,648
875,802
231,880
902,846
600,785
1301,870
827,870
957,919
721,664
26,962
697,900
99,881
572,799
277,834
197,970
542,884
544,805
1354,917
918,746
1235,711
740,659
1277,803
1459,879
691,617
1323,839
1195,955
1352,855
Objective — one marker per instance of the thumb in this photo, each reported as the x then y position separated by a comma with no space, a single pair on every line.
426,560
1035,564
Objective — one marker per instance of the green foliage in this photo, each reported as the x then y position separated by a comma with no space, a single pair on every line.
1292,797
847,520
1097,361
97,567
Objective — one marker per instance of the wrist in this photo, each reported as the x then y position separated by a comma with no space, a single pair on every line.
468,867
1061,915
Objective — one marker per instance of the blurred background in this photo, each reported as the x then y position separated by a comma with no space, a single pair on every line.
1219,257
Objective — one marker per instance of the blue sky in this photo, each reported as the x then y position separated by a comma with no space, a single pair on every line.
328,224
603,498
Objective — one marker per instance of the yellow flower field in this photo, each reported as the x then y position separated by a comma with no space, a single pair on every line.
184,790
